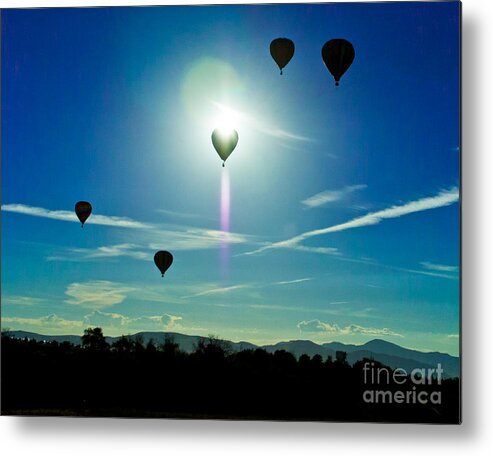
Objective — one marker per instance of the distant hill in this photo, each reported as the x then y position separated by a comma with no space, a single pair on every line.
186,343
449,363
40,337
301,347
387,353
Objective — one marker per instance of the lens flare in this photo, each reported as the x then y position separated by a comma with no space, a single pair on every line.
225,212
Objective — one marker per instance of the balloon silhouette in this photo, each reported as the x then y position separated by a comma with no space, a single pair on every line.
338,55
83,210
163,261
282,51
224,141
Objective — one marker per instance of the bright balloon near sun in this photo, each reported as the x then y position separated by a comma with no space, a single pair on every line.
224,140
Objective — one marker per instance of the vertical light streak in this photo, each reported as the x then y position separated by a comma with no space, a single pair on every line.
225,213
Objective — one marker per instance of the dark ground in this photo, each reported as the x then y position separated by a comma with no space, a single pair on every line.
130,380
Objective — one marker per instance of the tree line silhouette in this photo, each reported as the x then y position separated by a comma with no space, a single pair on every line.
134,379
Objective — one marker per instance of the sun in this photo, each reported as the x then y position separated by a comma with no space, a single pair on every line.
226,120
225,128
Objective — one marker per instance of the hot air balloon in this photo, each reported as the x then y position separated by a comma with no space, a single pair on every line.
338,55
83,210
282,50
224,141
163,260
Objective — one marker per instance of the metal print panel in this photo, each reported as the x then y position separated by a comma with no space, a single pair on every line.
232,212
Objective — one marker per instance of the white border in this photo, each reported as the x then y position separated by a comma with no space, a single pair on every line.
58,436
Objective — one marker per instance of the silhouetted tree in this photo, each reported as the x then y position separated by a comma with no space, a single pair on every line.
139,343
304,361
316,361
151,347
94,339
170,348
122,345
341,357
213,347
284,359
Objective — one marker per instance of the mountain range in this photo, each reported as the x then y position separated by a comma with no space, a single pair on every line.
387,353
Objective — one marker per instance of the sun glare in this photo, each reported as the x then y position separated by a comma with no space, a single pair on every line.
225,214
227,119
225,129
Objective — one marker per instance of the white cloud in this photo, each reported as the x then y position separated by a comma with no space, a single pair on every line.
104,319
443,198
50,322
439,267
318,326
159,322
329,196
115,323
69,216
96,294
120,322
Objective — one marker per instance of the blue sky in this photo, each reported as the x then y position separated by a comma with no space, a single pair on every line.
344,214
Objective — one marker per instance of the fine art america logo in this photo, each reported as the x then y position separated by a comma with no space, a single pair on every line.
398,386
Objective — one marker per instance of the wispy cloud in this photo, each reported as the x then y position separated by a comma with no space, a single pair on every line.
68,216
186,238
258,124
144,240
279,307
420,272
96,294
321,250
329,196
317,326
177,214
340,312
439,267
298,247
216,291
179,238
371,262
282,134
288,282
119,250
18,300
111,251
443,198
